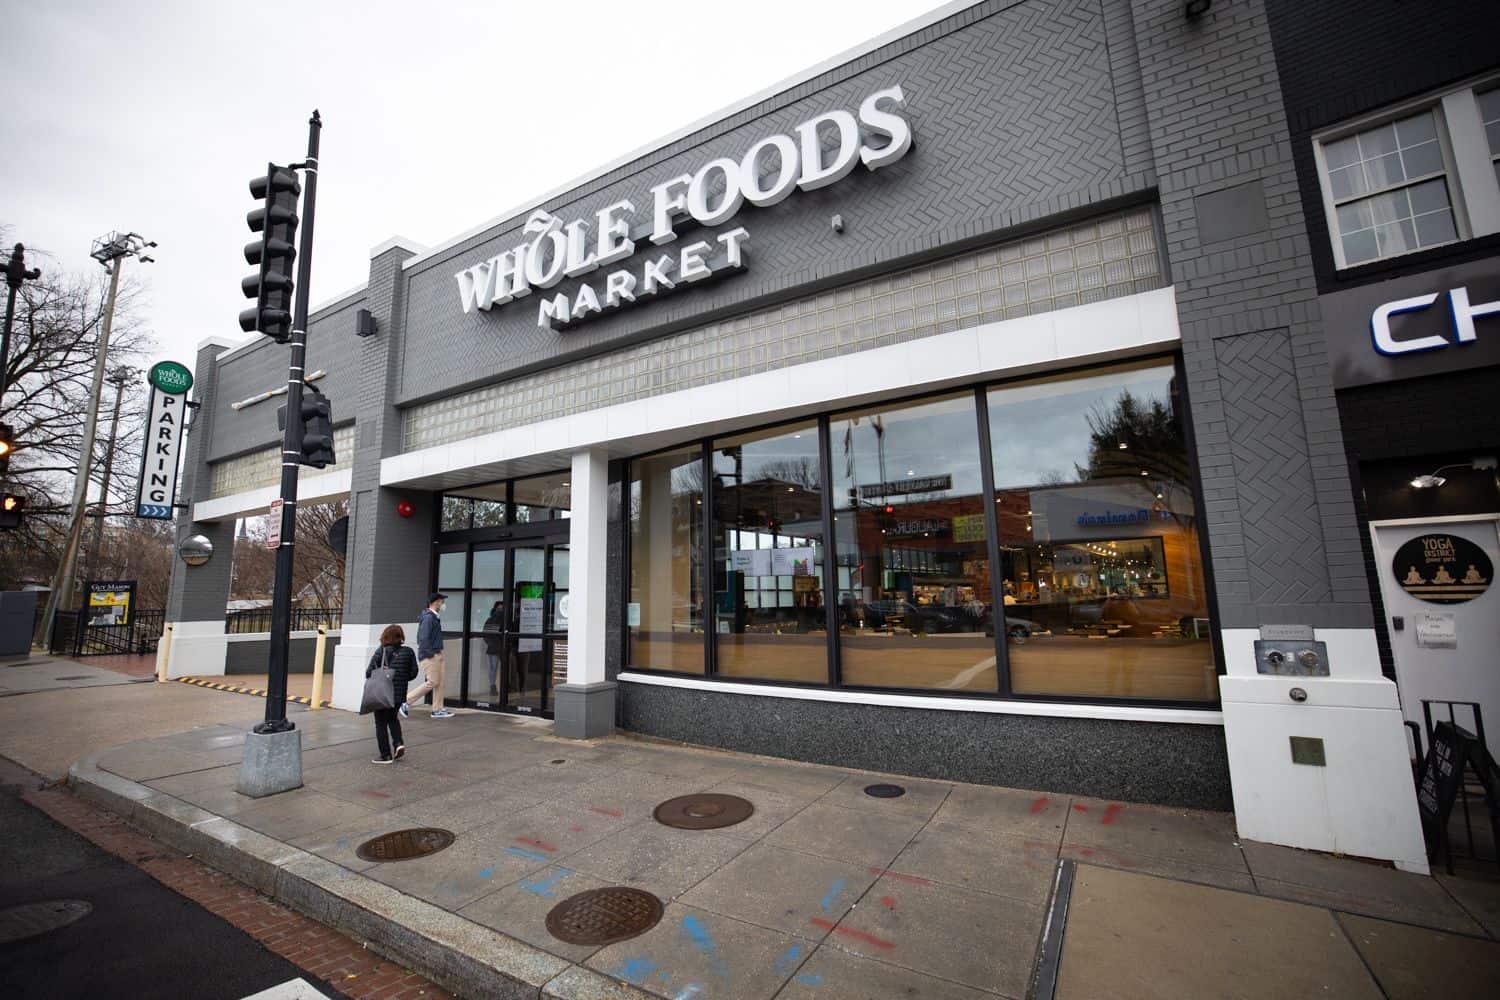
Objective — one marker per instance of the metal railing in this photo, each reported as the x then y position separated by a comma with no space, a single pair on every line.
303,620
69,639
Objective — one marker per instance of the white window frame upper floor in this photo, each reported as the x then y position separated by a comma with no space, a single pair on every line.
1469,165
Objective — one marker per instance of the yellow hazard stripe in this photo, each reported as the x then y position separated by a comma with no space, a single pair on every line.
200,682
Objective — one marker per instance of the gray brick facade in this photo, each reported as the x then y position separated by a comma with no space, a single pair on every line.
198,593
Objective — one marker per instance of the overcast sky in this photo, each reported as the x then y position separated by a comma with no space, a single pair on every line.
153,116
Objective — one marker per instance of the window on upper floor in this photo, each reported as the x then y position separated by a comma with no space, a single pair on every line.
1414,177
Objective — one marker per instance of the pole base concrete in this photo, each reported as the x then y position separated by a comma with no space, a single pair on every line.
583,711
272,763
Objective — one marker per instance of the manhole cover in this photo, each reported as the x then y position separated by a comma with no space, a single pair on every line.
707,811
402,845
604,916
885,791
30,919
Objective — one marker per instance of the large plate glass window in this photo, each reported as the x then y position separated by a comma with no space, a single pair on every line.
914,604
768,555
1390,189
664,613
1100,564
1489,113
542,498
474,507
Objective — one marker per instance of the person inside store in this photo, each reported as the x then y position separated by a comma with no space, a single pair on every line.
493,641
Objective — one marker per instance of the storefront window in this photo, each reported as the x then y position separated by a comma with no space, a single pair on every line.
542,498
768,556
1100,566
665,609
474,507
914,604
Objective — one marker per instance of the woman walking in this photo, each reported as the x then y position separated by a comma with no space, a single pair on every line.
403,666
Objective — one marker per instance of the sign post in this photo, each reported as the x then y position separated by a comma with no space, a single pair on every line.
273,533
166,416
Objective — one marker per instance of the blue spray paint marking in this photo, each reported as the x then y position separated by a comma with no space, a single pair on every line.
635,970
528,855
543,886
810,978
486,872
689,991
785,963
704,942
832,894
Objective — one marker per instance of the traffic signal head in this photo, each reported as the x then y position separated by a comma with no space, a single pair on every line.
12,507
7,444
317,429
271,286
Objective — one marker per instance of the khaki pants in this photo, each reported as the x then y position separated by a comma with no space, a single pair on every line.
432,669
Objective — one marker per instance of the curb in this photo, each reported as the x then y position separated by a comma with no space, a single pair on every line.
458,954
255,692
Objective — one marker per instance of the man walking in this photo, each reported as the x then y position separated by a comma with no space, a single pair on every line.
430,659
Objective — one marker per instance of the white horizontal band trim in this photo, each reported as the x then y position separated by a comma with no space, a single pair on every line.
520,211
1115,329
324,486
1125,713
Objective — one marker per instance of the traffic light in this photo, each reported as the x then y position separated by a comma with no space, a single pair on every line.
7,445
274,252
317,429
12,506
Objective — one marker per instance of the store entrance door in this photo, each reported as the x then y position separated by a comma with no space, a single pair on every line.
1437,580
517,639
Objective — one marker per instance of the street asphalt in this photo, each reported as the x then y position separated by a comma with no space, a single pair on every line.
141,940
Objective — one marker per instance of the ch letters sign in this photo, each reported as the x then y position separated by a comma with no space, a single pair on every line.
1461,311
768,172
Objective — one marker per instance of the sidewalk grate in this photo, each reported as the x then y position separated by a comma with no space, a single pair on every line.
604,916
403,845
705,811
885,791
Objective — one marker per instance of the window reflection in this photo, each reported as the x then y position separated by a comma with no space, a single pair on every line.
665,610
914,595
768,555
1100,570
543,498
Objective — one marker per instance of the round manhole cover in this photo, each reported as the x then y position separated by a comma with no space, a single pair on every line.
706,811
604,916
402,845
30,919
885,791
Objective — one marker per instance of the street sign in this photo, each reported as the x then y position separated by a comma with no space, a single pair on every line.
273,531
166,416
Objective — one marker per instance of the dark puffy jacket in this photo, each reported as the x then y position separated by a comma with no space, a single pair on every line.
403,665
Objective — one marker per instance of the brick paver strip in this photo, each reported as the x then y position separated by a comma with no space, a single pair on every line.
340,961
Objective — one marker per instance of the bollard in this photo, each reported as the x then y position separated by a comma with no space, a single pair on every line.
317,691
163,653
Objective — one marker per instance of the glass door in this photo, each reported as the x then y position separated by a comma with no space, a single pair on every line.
529,647
484,643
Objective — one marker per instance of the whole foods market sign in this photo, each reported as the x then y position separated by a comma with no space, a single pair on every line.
768,172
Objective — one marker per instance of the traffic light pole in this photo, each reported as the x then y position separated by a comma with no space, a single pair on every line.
291,453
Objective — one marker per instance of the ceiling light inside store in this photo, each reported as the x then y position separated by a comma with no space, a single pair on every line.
1124,446
1428,482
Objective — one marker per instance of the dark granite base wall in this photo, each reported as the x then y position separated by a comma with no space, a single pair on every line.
1163,763
251,657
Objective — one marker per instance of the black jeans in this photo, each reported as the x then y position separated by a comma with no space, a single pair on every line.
387,722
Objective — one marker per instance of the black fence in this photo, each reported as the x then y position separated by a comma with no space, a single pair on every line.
303,620
68,639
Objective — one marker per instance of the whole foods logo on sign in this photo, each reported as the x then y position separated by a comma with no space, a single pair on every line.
156,494
766,174
1442,569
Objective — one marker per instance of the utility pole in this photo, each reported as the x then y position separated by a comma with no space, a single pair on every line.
110,251
118,378
15,273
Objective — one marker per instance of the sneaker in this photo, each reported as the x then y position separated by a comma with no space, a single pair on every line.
382,760
399,752
442,713
403,711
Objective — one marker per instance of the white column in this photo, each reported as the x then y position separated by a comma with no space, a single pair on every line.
587,585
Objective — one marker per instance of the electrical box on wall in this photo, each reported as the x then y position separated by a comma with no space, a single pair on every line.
1290,651
364,323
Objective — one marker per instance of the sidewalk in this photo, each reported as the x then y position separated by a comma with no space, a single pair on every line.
823,892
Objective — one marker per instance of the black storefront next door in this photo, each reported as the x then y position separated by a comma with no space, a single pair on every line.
506,626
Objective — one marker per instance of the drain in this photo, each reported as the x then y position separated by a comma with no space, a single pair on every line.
18,923
75,677
403,845
604,916
559,760
706,811
885,791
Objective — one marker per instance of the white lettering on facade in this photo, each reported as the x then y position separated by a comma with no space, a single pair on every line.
1462,311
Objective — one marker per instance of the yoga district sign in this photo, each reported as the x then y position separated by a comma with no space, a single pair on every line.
770,171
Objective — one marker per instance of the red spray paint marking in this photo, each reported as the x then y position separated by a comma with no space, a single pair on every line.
889,902
538,844
913,879
375,795
850,932
1039,805
575,828
1101,852
1082,809
617,814
1110,813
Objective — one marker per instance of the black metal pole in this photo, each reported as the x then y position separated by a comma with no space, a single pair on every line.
291,453
15,273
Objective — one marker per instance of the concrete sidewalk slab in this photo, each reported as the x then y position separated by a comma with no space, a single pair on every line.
831,974
45,673
847,834
783,890
1138,936
1413,962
